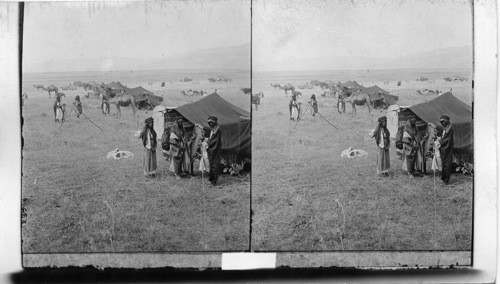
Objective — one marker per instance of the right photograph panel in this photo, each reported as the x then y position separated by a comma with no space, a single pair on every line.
362,127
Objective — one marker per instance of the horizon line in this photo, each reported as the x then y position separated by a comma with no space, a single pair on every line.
138,70
364,69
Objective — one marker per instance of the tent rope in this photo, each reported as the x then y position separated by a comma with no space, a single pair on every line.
327,120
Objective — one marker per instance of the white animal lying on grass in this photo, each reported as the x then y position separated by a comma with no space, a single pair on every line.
353,153
118,154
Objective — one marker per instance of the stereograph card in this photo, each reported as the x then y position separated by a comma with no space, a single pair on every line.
254,134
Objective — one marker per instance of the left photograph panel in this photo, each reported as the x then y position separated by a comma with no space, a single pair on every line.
136,126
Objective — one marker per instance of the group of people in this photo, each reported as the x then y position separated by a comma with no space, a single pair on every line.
181,148
60,108
437,142
295,107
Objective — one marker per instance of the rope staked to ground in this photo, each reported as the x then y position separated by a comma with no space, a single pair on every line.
326,120
92,122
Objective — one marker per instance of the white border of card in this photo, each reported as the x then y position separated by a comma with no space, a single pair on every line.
484,255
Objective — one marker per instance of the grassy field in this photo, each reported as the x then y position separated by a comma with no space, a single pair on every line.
306,197
76,200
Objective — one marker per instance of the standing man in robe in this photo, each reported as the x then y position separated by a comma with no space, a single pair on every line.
411,146
78,104
148,136
446,149
214,149
382,138
314,104
177,148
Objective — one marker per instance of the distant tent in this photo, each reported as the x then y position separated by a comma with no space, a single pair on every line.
375,89
234,121
138,90
352,85
142,95
116,86
380,98
460,114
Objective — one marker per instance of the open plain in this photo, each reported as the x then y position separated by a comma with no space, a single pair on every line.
74,199
305,197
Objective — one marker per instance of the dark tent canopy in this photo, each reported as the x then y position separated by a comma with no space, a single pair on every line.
234,121
352,85
460,115
116,86
138,91
375,89
378,94
147,101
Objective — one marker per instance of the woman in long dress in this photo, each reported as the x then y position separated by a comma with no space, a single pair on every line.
148,136
382,137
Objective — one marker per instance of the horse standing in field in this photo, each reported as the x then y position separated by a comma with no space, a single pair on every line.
256,99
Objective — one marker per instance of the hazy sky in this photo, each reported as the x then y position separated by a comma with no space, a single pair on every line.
288,29
152,29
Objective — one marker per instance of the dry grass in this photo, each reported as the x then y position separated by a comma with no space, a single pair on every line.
305,197
76,200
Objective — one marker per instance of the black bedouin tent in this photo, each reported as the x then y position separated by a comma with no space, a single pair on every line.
460,116
234,122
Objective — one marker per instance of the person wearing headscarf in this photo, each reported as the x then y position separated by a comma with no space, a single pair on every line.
340,103
314,104
214,149
446,148
436,159
105,104
58,110
382,138
148,136
412,147
78,104
178,148
294,108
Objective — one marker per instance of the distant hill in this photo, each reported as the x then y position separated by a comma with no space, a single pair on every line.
233,57
450,58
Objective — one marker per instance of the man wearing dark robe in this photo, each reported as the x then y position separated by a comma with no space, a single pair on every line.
314,104
411,147
446,149
177,147
78,104
148,136
214,149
